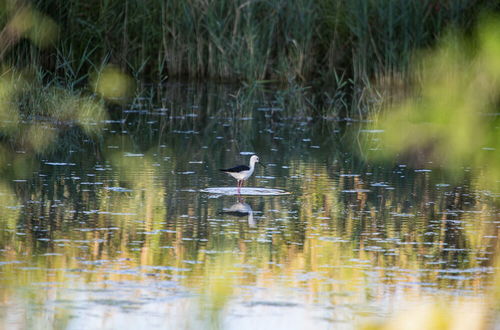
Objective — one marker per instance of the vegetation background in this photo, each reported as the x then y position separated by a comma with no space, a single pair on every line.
348,51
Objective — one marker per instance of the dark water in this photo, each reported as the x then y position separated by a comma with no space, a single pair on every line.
124,229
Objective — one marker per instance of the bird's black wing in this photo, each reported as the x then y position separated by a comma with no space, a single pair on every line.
236,169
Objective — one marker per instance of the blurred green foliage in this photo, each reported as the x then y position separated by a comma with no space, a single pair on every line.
451,119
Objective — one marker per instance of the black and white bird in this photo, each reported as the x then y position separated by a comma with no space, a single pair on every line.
243,172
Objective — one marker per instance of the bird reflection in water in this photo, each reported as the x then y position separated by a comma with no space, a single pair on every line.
241,209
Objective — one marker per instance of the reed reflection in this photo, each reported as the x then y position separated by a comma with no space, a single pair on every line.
132,209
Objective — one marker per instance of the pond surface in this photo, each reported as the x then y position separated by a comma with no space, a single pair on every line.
137,228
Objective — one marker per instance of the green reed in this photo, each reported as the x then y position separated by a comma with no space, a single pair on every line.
349,50
250,40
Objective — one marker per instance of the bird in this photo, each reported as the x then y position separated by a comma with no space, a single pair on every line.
243,172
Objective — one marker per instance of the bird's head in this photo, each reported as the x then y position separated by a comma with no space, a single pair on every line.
255,159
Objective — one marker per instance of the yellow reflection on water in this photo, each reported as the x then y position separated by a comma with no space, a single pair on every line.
128,227
437,316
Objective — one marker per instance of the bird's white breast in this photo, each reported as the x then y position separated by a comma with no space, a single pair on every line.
242,175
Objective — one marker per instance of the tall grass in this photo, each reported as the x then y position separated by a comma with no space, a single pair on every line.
248,40
347,47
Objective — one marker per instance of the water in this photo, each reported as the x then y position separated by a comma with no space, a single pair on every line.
138,228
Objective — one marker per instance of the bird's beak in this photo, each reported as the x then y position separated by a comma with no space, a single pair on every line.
262,165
